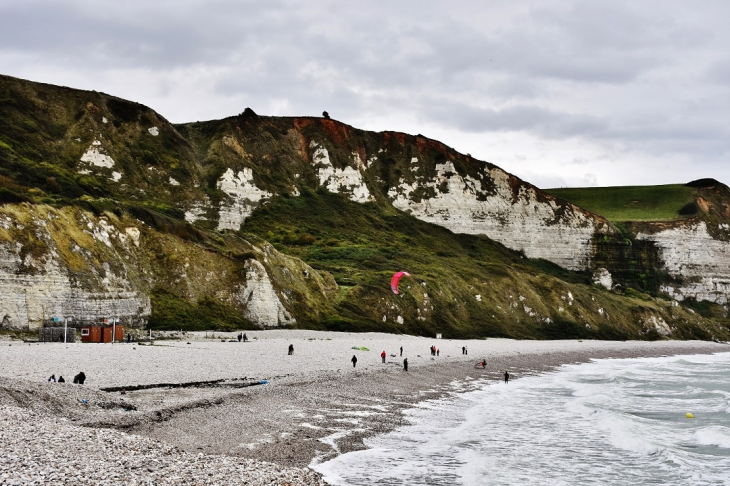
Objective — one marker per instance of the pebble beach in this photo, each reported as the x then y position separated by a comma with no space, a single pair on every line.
203,408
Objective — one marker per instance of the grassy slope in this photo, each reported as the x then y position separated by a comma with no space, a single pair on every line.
631,203
45,129
362,246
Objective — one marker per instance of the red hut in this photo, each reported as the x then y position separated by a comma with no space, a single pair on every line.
101,334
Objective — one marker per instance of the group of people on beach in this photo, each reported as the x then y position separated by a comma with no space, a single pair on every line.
78,379
383,355
434,352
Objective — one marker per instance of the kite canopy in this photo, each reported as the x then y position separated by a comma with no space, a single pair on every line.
396,278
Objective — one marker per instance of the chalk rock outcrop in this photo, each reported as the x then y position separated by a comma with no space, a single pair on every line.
348,180
499,206
696,259
243,195
261,303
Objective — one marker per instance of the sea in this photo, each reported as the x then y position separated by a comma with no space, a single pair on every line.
606,422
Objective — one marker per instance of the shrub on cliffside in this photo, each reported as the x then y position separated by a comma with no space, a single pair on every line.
170,311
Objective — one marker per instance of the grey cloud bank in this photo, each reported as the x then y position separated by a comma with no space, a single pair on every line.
639,93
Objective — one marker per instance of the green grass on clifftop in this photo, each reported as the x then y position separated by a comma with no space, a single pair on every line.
632,203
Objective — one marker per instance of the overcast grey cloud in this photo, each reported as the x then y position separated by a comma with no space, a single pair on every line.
560,93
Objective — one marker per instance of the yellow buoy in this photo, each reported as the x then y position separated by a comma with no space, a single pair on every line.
689,415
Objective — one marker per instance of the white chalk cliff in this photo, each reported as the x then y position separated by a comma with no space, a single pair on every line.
348,180
526,221
244,197
35,289
262,305
69,263
700,262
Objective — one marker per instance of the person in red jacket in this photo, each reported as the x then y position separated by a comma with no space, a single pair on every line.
382,355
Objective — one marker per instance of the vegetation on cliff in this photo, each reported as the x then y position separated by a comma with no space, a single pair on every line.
328,259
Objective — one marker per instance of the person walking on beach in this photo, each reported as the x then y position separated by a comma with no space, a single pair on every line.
291,349
354,360
80,378
244,337
437,352
401,350
405,364
240,336
382,355
506,377
463,350
129,338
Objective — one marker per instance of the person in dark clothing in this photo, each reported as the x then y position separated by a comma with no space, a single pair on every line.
52,378
61,380
506,377
129,338
291,349
240,336
463,350
405,364
244,337
354,360
80,378
401,350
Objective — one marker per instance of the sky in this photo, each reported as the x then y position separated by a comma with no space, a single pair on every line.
564,93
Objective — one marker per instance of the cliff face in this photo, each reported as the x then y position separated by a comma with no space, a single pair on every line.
695,253
416,175
217,173
37,286
503,208
57,263
698,262
111,211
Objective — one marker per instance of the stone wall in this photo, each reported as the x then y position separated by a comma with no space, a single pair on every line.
57,334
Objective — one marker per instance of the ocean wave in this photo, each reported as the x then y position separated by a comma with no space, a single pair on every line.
715,435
